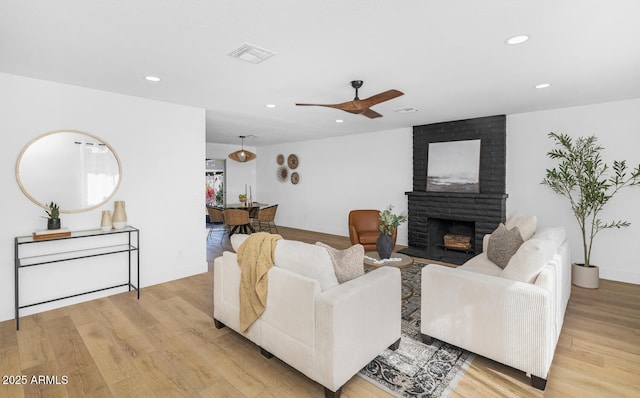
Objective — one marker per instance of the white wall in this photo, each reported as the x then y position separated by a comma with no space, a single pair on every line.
617,126
237,174
162,149
363,171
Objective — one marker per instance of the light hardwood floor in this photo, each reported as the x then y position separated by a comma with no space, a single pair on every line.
165,345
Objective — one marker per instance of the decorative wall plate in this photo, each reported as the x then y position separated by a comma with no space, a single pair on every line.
295,177
292,161
280,159
282,173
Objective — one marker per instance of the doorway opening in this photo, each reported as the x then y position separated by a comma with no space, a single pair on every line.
214,182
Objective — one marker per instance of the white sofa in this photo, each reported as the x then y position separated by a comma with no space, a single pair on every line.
515,322
326,330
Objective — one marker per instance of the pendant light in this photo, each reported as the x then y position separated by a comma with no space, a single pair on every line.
242,155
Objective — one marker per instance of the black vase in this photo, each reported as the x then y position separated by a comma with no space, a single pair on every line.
53,223
384,245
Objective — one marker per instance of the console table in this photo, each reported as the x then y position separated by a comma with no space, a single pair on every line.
94,250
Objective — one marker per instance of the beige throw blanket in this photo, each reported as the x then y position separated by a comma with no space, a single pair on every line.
255,257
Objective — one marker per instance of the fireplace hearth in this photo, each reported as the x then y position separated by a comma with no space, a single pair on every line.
435,214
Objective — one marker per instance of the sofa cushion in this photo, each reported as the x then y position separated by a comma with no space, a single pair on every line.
237,240
503,244
526,224
306,259
556,235
481,264
529,260
348,263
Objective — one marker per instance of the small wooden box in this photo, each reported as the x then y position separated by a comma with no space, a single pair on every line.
51,234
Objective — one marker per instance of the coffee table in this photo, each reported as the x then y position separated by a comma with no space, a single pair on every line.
404,262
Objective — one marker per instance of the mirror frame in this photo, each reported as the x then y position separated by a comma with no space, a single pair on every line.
67,211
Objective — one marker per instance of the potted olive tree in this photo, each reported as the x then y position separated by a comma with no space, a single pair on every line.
588,183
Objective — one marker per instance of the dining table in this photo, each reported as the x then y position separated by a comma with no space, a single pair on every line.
252,208
245,205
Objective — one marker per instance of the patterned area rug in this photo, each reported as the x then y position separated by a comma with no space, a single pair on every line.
416,369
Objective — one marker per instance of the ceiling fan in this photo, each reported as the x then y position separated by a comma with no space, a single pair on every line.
358,106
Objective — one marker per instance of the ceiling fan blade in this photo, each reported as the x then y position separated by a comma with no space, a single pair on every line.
349,106
371,114
361,107
378,98
337,106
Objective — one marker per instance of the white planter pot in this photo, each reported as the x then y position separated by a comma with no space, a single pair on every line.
587,277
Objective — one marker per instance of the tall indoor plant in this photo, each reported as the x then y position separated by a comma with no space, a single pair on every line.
587,182
389,222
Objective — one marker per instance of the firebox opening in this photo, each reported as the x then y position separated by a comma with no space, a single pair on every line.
451,235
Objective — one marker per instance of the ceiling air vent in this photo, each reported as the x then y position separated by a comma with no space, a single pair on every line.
406,109
250,53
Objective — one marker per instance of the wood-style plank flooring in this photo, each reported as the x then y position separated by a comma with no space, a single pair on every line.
165,345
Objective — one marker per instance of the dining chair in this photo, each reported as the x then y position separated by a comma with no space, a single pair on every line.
215,217
266,218
237,220
253,214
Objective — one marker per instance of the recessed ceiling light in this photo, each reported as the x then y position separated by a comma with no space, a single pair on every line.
152,78
543,85
270,105
339,120
517,39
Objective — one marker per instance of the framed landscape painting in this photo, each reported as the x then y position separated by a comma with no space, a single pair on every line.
454,166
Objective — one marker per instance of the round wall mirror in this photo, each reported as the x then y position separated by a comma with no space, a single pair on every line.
77,170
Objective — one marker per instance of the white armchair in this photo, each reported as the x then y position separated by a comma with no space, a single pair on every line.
327,331
517,323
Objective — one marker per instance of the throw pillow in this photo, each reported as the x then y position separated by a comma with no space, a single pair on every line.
557,235
348,264
503,244
526,224
529,260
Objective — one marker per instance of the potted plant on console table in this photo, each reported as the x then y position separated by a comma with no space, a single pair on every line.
388,224
53,216
583,178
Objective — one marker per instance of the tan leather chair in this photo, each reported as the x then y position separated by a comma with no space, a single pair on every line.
363,228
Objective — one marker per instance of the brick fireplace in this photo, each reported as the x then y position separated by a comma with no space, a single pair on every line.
435,214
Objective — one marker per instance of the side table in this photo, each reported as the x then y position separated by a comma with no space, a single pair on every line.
404,262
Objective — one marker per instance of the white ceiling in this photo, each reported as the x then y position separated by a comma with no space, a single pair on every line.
449,57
